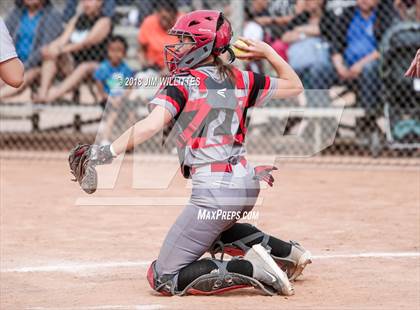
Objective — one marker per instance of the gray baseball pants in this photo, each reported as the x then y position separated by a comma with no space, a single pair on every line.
217,201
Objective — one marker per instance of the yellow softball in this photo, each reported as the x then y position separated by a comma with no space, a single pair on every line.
237,51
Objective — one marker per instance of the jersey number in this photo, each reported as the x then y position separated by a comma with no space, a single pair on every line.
221,123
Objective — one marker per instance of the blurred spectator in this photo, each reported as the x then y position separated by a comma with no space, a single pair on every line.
77,52
268,13
275,15
285,7
111,80
252,29
27,24
354,42
11,68
111,73
271,18
337,6
260,12
255,31
306,34
408,9
153,33
71,8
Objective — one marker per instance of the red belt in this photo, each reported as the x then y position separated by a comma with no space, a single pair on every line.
222,166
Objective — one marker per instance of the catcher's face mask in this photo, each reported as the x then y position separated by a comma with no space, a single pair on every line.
175,53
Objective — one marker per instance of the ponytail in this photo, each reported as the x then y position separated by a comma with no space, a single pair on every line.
226,70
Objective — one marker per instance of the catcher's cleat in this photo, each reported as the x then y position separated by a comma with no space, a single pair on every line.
267,271
295,262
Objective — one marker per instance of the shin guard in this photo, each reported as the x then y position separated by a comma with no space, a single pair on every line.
217,281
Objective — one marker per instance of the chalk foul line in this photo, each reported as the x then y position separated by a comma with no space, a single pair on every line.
103,307
369,255
75,267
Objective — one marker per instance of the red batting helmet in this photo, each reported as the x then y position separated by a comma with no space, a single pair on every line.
210,33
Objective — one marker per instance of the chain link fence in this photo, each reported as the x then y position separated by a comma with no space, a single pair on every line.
357,106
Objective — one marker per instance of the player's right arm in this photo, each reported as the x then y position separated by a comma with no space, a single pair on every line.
142,130
288,82
84,157
167,105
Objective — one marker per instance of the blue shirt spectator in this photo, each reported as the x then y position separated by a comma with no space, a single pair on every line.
354,38
112,77
30,33
26,34
385,17
361,40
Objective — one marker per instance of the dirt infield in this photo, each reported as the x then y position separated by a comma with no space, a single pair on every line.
61,251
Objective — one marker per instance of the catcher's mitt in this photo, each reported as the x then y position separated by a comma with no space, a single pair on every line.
82,161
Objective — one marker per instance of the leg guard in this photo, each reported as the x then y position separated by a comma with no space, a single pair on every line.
293,264
241,245
217,281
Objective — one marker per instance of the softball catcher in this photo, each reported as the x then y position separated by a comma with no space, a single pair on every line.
209,119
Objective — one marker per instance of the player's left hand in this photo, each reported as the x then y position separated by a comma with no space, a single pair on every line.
82,161
263,173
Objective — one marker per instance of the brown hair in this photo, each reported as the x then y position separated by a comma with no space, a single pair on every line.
225,70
